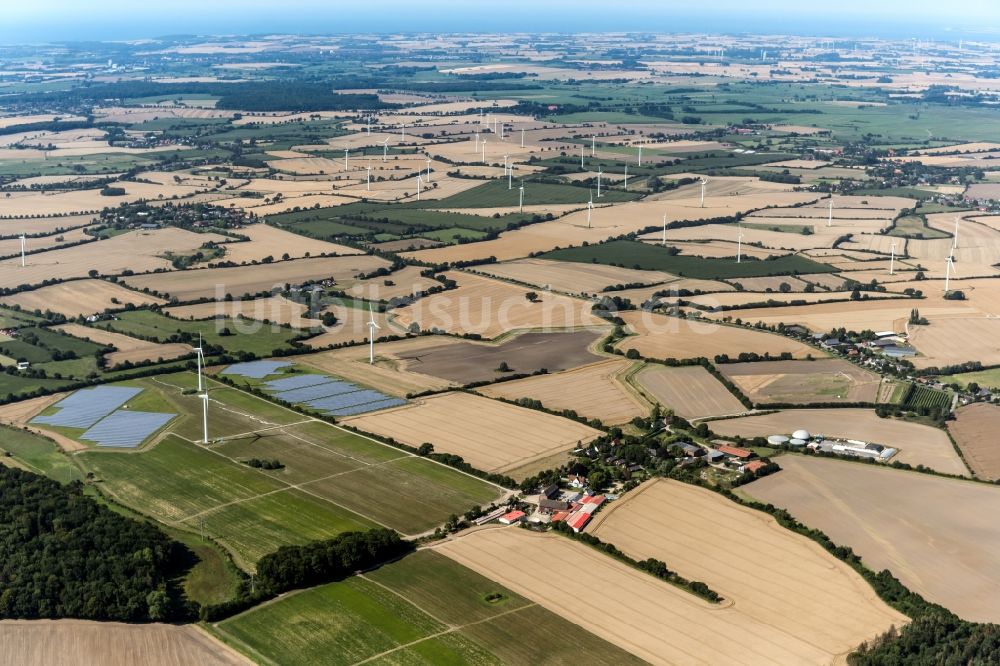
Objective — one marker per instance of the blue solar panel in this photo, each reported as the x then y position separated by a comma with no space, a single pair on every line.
126,429
346,400
254,369
367,407
310,393
295,381
87,406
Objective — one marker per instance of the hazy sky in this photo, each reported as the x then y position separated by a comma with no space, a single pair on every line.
41,20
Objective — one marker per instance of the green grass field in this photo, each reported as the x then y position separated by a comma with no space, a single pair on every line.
37,454
423,609
644,256
914,226
262,341
985,378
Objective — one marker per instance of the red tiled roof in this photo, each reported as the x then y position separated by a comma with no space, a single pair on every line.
753,466
735,451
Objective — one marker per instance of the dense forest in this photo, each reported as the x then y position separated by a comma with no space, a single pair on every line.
63,555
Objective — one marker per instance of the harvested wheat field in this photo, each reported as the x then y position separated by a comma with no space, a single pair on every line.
86,643
639,613
918,444
975,431
405,282
662,337
490,435
80,297
276,309
571,277
593,391
130,349
938,536
134,250
690,391
391,372
239,280
979,336
43,225
352,326
803,382
490,307
787,582
268,241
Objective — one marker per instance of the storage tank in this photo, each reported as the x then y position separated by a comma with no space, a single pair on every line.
800,434
777,440
796,441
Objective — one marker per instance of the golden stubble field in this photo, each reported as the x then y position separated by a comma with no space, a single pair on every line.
648,617
690,391
918,444
138,251
85,643
938,536
129,349
491,307
661,337
571,277
268,241
239,280
594,391
489,434
974,430
786,582
276,309
79,297
802,382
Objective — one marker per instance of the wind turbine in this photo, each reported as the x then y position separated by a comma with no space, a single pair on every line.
510,177
23,239
369,125
484,151
385,149
477,142
949,267
368,179
590,208
626,177
520,201
199,359
522,137
599,173
593,143
372,327
739,247
640,154
501,132
703,184
419,181
428,169
829,220
346,165
402,133
892,257
581,157
954,245
204,415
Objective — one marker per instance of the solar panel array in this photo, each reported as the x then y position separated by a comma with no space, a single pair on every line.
126,429
88,406
329,395
254,369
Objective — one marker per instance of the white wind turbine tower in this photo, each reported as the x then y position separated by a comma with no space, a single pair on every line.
419,182
520,201
590,208
829,220
369,125
892,257
199,355
510,176
593,144
949,267
484,151
703,184
522,137
23,240
372,327
428,169
368,179
640,154
402,133
600,172
581,157
477,142
385,149
626,177
739,247
346,164
954,245
204,415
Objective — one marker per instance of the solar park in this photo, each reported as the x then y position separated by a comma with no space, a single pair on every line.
98,411
318,392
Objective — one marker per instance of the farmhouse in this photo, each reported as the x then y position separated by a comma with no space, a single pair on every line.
512,517
736,452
